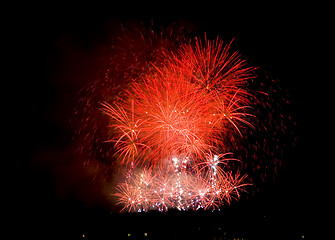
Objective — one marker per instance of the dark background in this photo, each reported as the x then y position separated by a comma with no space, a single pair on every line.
60,49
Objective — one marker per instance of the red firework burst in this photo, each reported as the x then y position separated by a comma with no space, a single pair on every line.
183,107
175,121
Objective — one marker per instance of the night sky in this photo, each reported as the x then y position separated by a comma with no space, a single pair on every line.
62,50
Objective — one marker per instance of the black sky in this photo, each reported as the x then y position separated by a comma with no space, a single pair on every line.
61,50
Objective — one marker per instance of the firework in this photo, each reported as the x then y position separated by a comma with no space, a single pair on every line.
174,125
178,122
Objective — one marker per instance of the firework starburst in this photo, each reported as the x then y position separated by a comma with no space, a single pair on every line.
173,124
